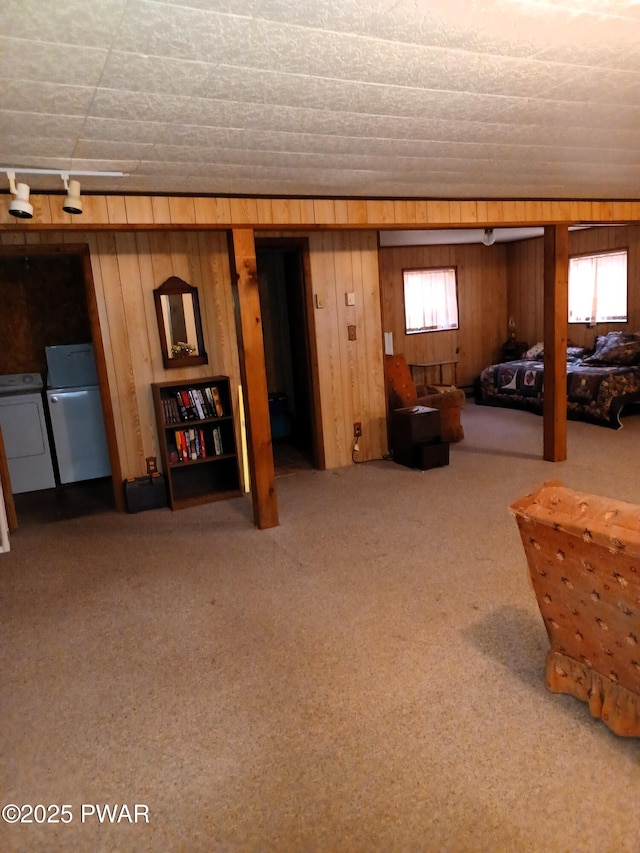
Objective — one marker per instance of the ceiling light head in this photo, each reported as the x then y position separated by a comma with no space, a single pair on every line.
488,238
20,206
73,202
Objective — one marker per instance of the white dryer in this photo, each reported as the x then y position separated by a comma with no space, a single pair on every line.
24,431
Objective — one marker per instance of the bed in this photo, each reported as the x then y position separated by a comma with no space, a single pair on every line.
601,381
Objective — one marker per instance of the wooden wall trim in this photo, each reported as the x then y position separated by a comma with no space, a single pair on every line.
194,212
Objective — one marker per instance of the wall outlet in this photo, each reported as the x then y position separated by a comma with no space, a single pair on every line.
357,429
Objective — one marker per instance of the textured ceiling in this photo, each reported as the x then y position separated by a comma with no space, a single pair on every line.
374,98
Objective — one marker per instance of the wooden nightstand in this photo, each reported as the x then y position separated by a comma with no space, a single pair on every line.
513,349
415,438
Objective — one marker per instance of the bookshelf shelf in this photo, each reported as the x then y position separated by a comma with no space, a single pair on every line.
197,440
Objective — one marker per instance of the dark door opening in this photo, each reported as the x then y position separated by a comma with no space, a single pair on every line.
283,304
44,290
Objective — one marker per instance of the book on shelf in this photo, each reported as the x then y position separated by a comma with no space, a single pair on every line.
180,446
203,403
184,416
217,441
189,404
217,402
191,445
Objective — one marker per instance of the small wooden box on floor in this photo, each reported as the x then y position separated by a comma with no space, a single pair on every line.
415,438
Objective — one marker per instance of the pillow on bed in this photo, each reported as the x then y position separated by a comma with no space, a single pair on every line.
535,353
575,353
615,348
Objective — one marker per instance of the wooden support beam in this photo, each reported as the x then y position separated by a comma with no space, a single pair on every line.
244,271
556,302
5,481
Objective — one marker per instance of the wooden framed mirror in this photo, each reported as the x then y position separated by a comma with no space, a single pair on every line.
179,324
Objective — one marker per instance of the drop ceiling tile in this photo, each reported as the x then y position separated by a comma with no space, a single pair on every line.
114,130
617,53
438,24
50,63
601,86
100,150
257,43
71,22
134,72
38,124
408,67
17,147
558,113
30,97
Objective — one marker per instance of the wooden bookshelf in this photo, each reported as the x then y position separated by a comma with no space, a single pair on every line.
197,440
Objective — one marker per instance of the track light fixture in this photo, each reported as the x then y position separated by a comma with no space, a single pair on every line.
488,238
20,205
72,203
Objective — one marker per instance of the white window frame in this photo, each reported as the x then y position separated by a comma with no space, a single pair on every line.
430,300
591,296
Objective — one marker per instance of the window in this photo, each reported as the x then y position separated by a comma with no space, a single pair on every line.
430,300
598,288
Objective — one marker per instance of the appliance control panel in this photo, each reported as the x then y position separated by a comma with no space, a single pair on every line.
15,383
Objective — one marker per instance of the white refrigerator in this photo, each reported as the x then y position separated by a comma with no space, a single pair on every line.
75,412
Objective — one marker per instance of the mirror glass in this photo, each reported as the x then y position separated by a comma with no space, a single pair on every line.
179,324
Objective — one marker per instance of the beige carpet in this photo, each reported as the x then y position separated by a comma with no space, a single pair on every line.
365,677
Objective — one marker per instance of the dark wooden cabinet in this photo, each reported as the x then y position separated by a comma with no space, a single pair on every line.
512,350
197,440
415,438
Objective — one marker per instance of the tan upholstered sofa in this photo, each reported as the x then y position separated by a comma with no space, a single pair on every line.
583,553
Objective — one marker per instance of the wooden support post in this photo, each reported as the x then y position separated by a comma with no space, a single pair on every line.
244,271
5,481
556,302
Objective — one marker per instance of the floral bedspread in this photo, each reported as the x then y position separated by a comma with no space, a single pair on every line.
595,393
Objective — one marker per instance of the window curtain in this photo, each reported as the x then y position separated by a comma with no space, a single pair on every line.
430,300
598,288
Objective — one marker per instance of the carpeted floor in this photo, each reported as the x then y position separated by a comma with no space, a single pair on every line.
366,677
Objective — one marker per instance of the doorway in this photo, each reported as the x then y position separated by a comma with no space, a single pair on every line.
283,280
50,305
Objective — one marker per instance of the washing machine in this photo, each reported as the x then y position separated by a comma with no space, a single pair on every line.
24,431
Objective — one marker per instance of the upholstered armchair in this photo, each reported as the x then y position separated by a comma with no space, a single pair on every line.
583,553
402,391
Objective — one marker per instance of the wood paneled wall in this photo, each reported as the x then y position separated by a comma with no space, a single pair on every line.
525,283
126,268
350,372
482,307
185,212
136,242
